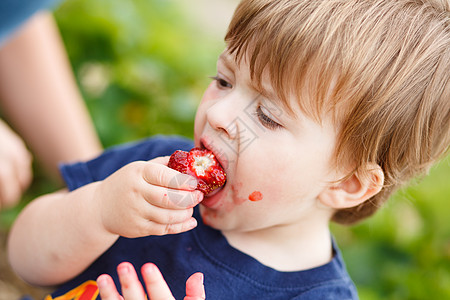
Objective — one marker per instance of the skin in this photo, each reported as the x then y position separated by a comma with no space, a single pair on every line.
298,182
154,284
40,98
15,170
41,101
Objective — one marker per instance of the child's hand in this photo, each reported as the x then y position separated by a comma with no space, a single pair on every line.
154,283
147,198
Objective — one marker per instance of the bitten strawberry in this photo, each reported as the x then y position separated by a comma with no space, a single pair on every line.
202,164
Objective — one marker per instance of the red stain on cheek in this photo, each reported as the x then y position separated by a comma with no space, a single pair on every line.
255,196
237,200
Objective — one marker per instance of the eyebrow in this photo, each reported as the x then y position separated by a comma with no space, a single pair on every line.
270,94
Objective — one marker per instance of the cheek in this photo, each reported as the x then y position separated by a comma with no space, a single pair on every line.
262,183
279,180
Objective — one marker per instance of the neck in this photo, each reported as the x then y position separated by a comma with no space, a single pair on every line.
290,247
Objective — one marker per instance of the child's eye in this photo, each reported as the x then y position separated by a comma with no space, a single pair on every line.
266,120
221,83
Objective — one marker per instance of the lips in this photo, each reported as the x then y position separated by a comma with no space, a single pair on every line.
206,143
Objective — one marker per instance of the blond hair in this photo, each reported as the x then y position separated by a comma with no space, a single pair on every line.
386,63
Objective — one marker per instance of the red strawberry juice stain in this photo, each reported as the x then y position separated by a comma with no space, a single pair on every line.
255,196
237,200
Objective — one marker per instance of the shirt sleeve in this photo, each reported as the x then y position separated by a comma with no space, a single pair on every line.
13,13
79,174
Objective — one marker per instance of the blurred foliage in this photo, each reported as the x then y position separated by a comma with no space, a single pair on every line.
142,67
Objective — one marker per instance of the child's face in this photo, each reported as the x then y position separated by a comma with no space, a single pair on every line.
277,164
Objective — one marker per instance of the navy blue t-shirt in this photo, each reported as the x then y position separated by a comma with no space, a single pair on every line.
229,273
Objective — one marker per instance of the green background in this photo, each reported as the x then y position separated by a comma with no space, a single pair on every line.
142,67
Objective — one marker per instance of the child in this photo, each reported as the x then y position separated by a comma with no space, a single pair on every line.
318,112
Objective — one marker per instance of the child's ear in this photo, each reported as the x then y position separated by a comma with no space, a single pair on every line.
354,190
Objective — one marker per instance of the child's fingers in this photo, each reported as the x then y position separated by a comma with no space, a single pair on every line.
157,173
172,198
163,160
131,286
163,229
195,289
157,288
166,216
107,288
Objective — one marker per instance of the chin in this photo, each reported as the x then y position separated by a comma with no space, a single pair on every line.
209,217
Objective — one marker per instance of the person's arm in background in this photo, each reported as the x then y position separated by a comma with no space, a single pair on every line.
39,96
15,166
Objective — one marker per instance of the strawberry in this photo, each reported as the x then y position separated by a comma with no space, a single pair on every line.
202,164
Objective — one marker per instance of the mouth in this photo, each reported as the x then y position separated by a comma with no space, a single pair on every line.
206,144
216,190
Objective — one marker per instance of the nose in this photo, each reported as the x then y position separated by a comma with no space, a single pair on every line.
223,116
